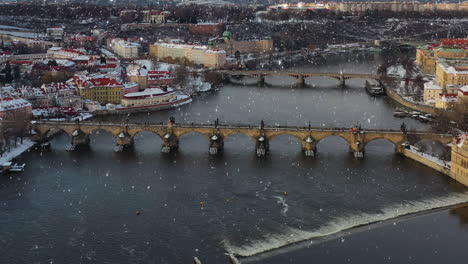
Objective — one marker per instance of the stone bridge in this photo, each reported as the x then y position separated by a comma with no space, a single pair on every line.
300,76
261,135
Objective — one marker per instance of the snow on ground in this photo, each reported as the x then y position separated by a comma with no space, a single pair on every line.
147,63
16,151
162,66
396,70
429,157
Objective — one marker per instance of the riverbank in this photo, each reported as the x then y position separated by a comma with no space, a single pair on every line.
16,151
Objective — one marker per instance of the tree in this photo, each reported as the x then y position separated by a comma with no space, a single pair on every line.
16,72
181,74
237,54
418,87
213,77
52,63
7,72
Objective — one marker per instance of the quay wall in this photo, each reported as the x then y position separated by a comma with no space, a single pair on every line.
420,108
430,163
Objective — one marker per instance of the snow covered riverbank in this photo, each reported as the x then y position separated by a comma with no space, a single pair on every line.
16,151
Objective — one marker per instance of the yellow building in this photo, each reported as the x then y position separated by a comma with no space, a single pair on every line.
459,161
210,58
433,93
426,60
427,56
102,90
451,73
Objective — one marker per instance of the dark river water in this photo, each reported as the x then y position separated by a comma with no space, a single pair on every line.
80,207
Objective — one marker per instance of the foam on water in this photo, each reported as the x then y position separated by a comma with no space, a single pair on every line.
282,201
292,235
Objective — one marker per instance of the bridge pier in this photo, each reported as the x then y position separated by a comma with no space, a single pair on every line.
79,138
309,147
170,143
216,144
357,145
123,141
262,146
300,81
261,80
342,81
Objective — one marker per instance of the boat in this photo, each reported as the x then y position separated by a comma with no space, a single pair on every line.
17,167
400,114
374,88
149,100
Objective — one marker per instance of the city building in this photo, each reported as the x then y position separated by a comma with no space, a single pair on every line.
13,109
55,33
231,46
202,55
453,73
433,92
154,16
459,160
64,53
125,49
427,56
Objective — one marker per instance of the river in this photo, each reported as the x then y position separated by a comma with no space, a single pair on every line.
80,207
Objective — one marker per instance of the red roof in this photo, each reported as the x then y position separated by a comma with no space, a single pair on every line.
21,62
106,66
454,42
104,82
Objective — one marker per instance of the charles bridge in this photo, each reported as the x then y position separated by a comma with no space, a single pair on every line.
300,76
170,133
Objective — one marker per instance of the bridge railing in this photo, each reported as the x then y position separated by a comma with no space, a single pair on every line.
229,126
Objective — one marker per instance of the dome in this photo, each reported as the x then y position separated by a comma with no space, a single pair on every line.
227,35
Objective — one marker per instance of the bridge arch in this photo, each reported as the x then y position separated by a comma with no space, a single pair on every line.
382,139
46,132
336,141
145,131
286,143
187,132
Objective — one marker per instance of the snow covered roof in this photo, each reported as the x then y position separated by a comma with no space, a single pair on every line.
454,69
7,104
432,86
148,93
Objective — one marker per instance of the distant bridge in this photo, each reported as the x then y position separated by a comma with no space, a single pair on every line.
216,133
300,76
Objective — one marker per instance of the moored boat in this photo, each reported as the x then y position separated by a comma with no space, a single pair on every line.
149,100
374,88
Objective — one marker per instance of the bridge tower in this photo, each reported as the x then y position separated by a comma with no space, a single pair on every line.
170,141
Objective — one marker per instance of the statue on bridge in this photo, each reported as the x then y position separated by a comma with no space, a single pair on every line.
403,128
216,123
262,124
